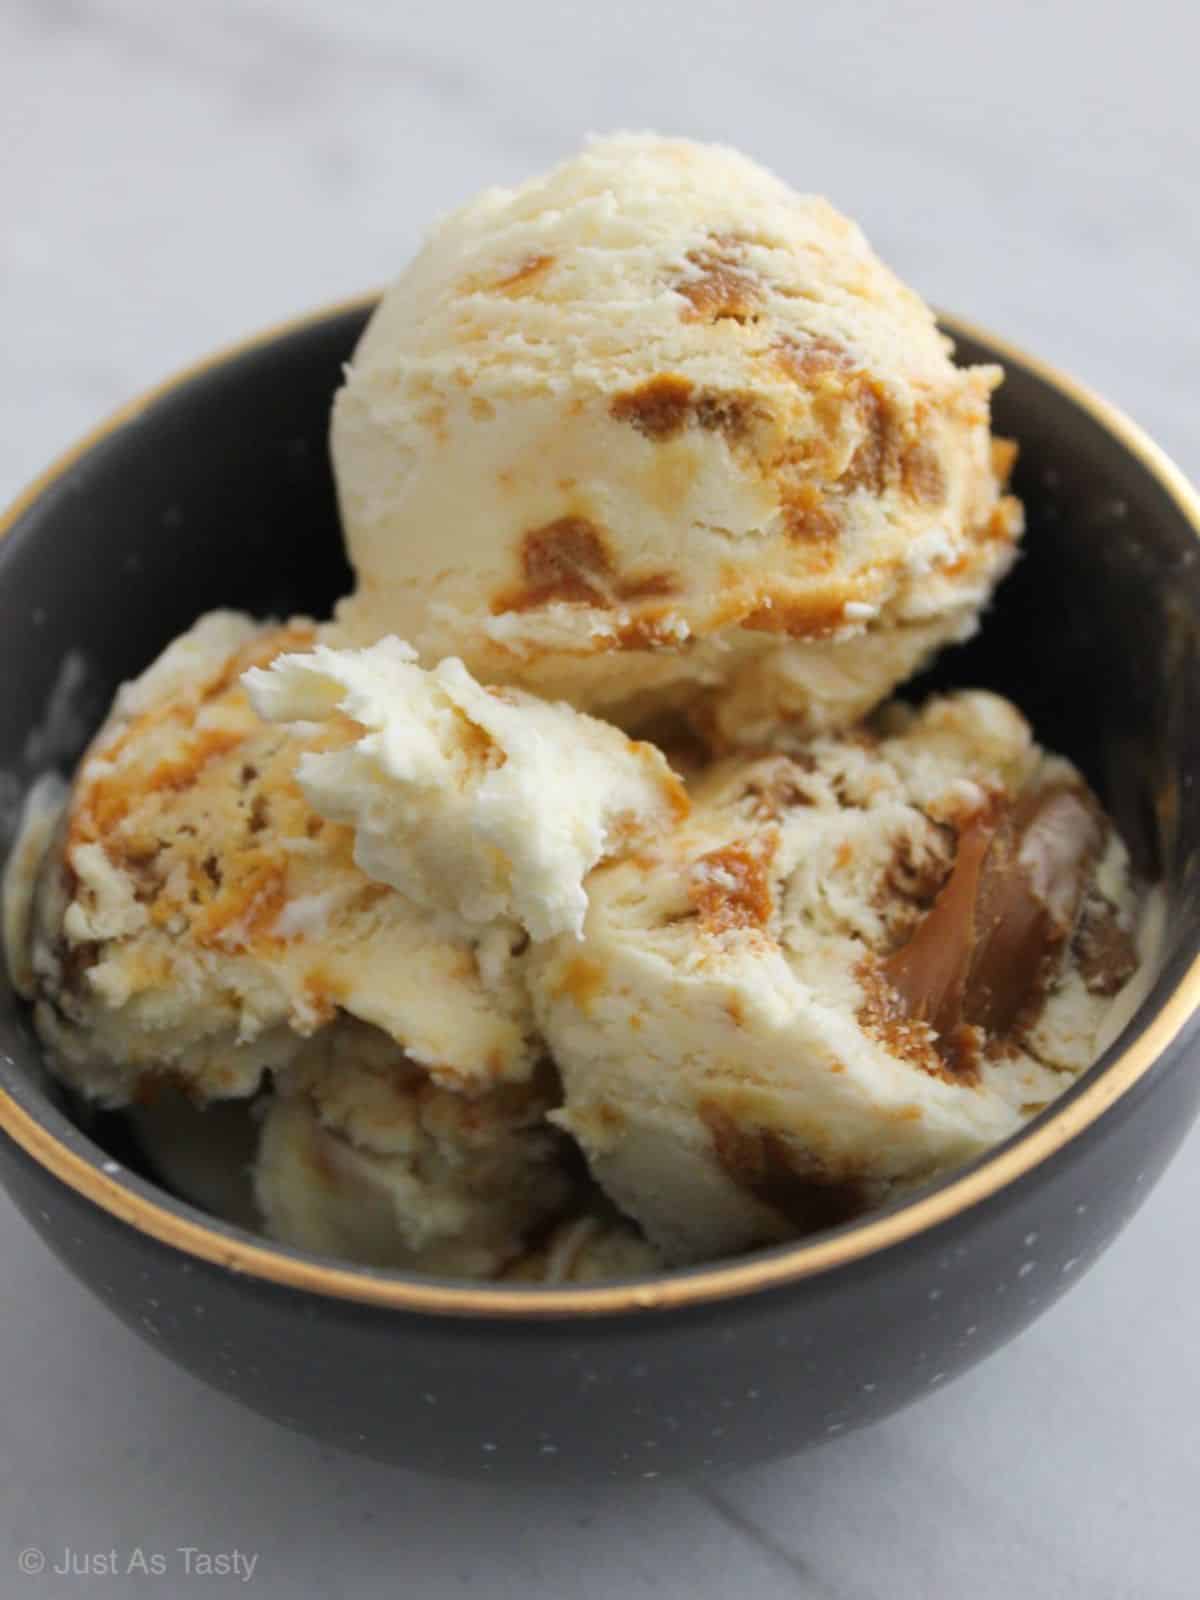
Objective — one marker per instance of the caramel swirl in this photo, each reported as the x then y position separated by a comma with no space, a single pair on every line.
981,954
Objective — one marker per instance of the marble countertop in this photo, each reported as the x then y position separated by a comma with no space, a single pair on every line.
175,176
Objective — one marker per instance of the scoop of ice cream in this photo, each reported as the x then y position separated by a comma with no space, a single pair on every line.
655,422
363,1156
483,804
194,917
854,967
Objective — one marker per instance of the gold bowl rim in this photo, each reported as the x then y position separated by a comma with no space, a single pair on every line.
184,1230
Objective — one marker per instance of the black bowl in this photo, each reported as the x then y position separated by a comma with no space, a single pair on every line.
216,490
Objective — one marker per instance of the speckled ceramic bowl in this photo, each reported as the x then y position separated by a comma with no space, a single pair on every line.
216,490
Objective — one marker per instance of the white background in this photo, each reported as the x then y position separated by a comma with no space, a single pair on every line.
173,175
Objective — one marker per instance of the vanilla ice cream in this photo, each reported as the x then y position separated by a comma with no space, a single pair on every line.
195,918
356,1154
485,804
854,967
363,1156
388,933
654,425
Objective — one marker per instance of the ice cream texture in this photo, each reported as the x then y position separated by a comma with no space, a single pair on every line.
398,918
363,1155
484,805
193,932
195,919
855,967
655,425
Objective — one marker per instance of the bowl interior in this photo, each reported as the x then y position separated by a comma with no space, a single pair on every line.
218,492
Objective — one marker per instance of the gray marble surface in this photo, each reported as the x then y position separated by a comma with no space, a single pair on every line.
173,176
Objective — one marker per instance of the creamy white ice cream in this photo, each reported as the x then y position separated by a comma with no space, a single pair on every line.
363,1156
195,918
484,805
855,967
653,423
652,436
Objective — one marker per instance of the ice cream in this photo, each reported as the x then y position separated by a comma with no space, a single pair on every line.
358,1156
363,1156
196,934
855,967
480,804
389,932
654,425
196,919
